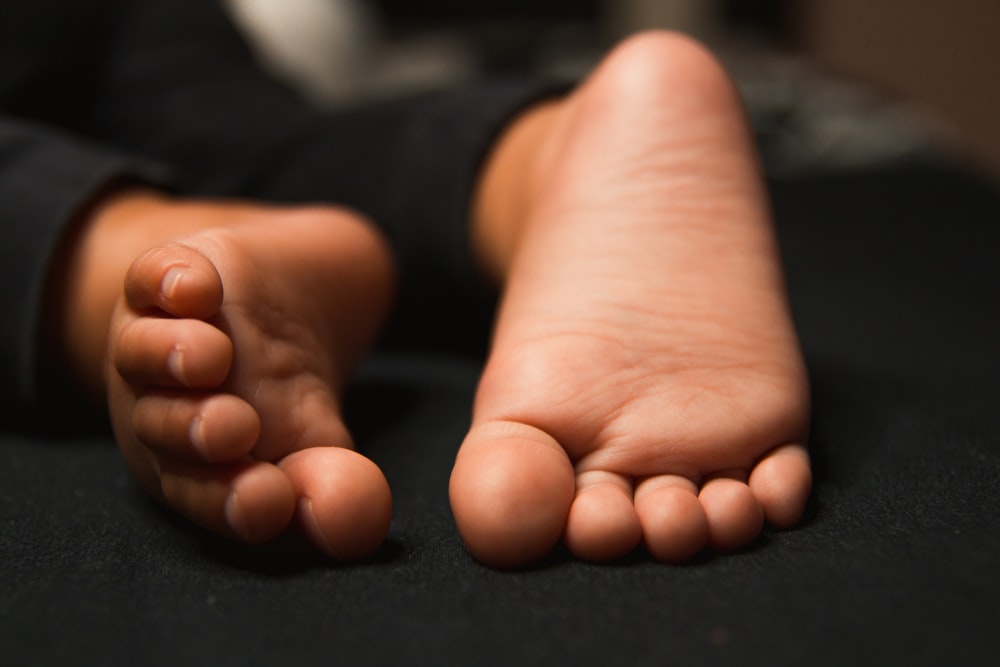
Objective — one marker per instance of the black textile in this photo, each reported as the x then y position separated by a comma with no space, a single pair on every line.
894,286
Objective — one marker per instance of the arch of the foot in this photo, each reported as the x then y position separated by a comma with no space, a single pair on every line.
511,491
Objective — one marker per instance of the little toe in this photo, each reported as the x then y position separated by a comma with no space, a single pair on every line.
176,279
782,482
213,429
602,523
674,525
511,490
344,502
249,500
735,518
172,353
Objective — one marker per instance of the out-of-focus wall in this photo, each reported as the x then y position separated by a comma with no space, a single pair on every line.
942,53
700,18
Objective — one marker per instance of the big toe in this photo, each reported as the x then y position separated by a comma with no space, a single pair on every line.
511,492
345,506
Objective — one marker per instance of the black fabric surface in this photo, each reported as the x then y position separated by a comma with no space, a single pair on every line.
894,279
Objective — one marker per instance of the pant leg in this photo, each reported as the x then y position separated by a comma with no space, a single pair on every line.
47,177
183,88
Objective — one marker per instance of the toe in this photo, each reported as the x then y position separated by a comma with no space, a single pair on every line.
511,491
175,279
782,482
212,429
344,502
735,518
172,353
674,525
602,523
251,501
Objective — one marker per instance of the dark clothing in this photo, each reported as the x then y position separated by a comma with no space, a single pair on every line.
166,92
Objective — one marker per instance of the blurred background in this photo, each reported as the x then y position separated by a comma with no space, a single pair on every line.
829,84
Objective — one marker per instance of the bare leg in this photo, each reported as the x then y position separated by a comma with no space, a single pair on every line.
226,356
645,382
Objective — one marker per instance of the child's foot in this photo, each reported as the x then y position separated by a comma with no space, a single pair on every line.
228,354
645,382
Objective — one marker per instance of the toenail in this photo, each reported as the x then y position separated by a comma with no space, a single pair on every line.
235,517
308,516
170,281
175,363
196,433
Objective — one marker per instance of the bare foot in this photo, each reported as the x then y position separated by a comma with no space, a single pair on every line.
645,382
228,354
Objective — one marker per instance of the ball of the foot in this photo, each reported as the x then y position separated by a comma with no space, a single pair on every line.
510,498
345,505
